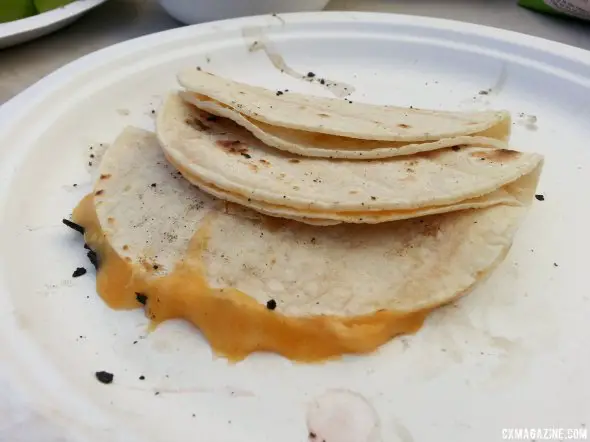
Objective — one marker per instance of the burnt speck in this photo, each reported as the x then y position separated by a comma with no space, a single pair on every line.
156,266
245,155
313,240
93,257
322,81
153,111
455,148
198,68
79,272
135,342
555,264
312,435
310,75
72,225
141,298
483,92
104,176
104,377
279,93
293,160
90,163
540,197
156,393
373,198
142,377
91,155
99,192
271,305
153,185
75,185
404,126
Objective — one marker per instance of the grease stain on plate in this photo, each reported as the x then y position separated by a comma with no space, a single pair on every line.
342,416
257,40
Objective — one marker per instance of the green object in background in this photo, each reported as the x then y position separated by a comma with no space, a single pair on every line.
569,8
11,10
48,5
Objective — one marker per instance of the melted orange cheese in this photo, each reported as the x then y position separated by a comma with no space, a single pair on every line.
234,323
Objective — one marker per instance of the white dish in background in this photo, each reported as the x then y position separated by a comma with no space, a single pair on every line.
198,11
30,28
511,354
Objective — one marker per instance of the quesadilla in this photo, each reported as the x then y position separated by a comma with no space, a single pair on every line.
332,128
225,160
315,144
254,283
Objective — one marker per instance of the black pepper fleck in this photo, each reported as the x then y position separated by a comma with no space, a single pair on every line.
142,377
245,155
79,272
455,148
104,377
540,197
322,81
271,305
310,75
279,93
373,198
153,184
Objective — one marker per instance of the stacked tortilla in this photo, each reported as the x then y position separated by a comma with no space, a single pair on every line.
305,226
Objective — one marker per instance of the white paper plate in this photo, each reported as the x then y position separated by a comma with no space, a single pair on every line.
512,354
26,29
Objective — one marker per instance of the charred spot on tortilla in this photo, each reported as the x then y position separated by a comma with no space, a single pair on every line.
79,272
72,225
498,155
104,377
404,126
323,115
271,304
105,176
141,298
153,185
293,160
279,93
263,161
373,198
111,220
232,146
540,197
99,192
125,247
310,75
197,124
245,155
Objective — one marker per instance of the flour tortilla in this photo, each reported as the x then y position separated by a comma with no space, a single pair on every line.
223,158
313,144
344,270
338,117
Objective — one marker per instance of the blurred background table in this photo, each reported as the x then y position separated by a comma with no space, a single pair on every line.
119,20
